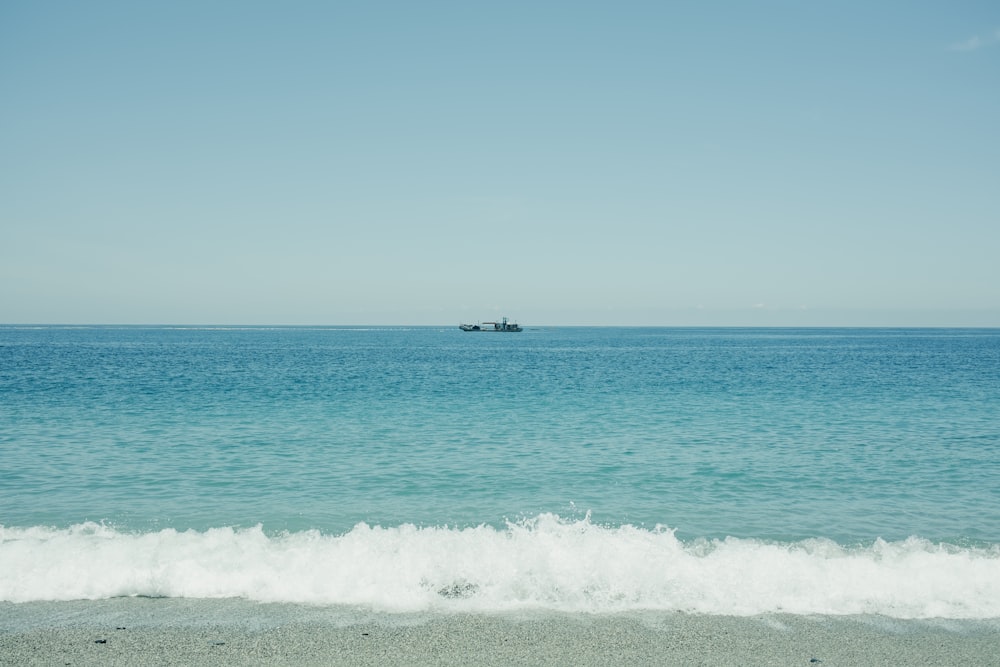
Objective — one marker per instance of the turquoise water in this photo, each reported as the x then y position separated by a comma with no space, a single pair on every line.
635,440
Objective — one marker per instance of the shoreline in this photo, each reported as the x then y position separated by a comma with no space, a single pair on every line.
164,631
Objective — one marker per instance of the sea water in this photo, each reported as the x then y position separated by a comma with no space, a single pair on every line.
719,471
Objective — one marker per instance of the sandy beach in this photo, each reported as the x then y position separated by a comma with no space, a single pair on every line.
143,631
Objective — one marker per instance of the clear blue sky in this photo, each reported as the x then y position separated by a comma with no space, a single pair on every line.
648,163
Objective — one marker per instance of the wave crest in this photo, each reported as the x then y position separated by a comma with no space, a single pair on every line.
544,562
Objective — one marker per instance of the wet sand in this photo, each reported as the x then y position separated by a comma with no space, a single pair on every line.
144,631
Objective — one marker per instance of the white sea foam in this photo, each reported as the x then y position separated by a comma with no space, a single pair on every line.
545,562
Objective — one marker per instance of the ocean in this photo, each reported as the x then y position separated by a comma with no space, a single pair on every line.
424,469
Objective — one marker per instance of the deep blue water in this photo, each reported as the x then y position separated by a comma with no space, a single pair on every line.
785,434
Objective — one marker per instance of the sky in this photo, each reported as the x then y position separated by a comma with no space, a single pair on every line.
668,163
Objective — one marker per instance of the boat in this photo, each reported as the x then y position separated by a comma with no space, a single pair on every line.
503,325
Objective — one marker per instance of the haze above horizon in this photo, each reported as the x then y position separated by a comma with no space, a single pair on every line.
667,164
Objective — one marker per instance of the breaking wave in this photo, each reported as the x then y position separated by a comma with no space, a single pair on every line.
540,563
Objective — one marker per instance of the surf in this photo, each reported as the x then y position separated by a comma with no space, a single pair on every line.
543,562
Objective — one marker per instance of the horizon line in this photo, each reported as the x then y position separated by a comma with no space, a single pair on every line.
213,325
